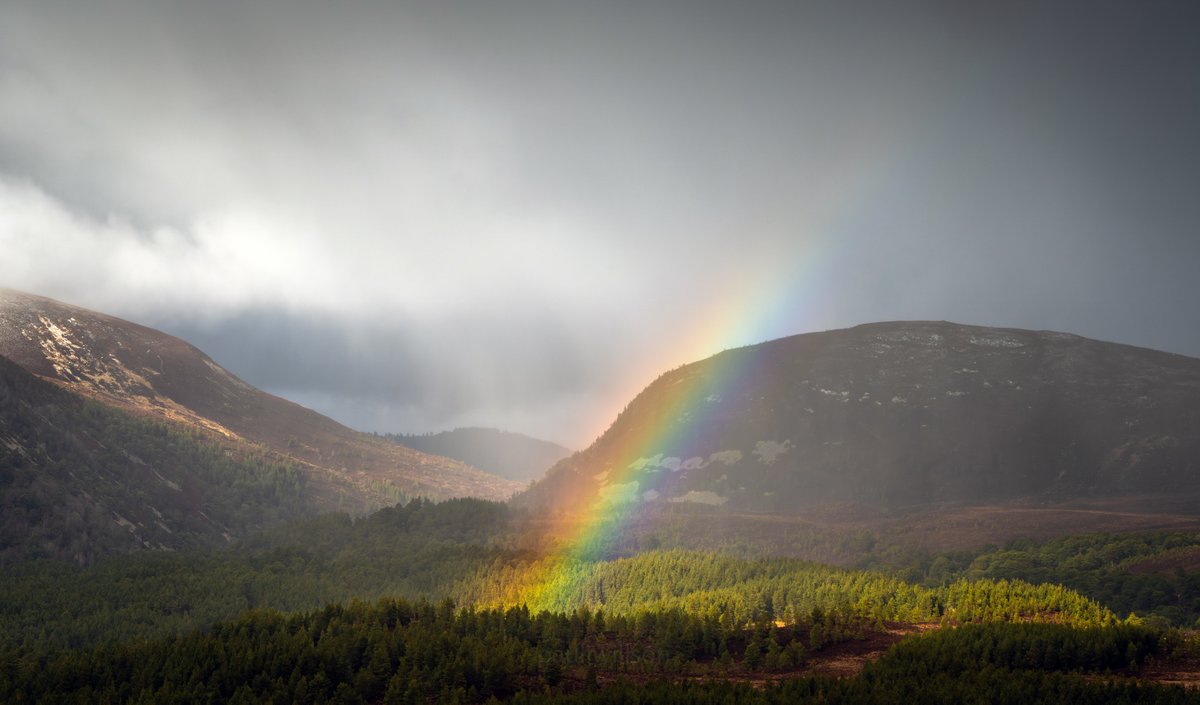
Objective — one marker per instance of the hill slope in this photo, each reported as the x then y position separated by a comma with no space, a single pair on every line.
512,455
149,372
79,480
895,415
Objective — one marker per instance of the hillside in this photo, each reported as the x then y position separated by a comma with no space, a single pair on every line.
80,480
895,416
148,372
511,455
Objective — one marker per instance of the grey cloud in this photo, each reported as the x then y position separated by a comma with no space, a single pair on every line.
513,361
458,209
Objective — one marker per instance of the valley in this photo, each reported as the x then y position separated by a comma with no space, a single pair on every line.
768,525
510,455
599,353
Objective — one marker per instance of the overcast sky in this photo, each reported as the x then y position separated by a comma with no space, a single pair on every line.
415,216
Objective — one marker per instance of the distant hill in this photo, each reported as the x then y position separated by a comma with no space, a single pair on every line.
511,455
150,373
80,480
894,416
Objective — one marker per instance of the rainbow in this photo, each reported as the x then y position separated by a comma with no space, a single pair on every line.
772,301
597,528
684,413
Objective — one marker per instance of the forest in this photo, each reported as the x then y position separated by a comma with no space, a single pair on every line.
395,651
449,602
1152,575
468,551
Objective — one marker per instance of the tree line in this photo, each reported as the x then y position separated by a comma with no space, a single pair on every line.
400,652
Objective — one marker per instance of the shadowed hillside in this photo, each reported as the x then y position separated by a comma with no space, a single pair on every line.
895,416
512,455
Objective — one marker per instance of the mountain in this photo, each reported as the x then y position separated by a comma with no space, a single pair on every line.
892,416
512,455
80,480
150,373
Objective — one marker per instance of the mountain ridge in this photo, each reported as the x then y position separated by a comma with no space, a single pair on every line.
145,371
896,414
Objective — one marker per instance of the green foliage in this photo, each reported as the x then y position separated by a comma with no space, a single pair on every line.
458,549
420,549
395,651
161,627
985,687
744,591
1150,574
152,627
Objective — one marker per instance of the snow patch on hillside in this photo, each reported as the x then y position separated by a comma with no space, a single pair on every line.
910,337
643,463
769,451
728,457
996,341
